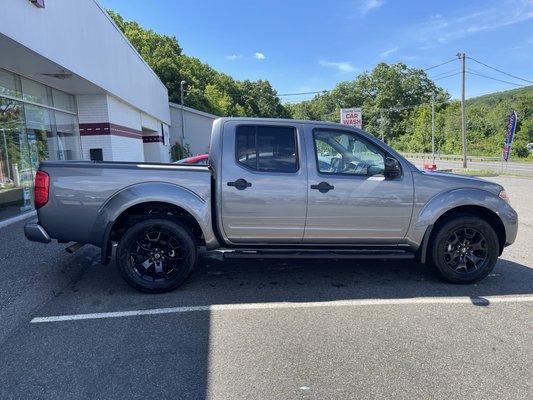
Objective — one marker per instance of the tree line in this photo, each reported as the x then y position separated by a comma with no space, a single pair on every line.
396,100
396,103
207,89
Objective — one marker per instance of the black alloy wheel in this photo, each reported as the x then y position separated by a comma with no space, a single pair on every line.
466,250
156,255
463,249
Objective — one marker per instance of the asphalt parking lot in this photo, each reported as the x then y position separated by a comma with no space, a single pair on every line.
266,329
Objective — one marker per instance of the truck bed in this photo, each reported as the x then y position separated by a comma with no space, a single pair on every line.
79,191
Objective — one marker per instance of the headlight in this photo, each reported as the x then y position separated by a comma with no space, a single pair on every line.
503,195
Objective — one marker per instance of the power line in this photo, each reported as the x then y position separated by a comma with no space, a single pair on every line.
500,71
303,93
401,108
479,94
438,65
495,79
326,91
447,76
294,101
442,73
479,73
437,77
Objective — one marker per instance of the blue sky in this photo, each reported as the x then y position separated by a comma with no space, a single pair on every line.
309,45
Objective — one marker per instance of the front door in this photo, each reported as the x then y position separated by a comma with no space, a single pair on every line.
350,200
264,186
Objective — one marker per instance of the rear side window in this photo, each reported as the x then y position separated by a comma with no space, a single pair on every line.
266,148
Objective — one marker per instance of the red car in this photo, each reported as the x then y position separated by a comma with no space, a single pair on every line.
201,159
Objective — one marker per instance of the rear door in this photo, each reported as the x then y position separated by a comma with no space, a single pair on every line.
350,200
264,182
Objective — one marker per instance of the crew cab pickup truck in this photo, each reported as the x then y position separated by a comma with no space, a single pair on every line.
274,188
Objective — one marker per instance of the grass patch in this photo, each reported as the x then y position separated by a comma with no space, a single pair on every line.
476,172
487,173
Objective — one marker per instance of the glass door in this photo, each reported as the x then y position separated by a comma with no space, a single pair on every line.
16,173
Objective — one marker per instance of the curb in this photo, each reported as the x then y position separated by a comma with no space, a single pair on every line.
17,218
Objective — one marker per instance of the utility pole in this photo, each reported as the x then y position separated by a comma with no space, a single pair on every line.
433,128
381,122
182,84
462,57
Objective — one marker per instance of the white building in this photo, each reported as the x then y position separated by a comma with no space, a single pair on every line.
196,127
73,87
118,105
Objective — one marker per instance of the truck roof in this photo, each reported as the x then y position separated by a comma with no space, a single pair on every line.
299,121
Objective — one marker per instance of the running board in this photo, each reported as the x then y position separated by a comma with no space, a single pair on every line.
335,254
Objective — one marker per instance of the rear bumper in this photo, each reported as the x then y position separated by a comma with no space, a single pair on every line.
36,233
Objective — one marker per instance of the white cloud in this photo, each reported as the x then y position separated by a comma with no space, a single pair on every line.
259,56
341,66
233,57
386,53
440,29
365,6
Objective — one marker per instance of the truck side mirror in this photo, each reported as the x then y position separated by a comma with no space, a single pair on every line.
392,168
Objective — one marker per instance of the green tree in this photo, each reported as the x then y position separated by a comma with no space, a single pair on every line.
207,89
387,95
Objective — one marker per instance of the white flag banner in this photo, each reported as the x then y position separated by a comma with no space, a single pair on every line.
352,116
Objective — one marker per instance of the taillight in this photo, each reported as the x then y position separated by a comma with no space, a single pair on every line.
40,193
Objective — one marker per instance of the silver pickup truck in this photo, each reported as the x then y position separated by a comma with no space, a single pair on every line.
274,188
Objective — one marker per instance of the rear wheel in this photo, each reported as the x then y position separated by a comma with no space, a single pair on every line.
156,255
464,249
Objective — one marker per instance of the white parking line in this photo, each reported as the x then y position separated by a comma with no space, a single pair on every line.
479,301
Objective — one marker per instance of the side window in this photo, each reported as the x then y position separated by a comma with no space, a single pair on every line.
266,148
340,152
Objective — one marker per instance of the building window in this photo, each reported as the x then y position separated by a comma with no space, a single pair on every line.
9,84
16,172
37,123
36,92
63,101
96,154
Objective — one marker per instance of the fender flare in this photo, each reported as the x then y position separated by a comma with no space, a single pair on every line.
435,208
147,192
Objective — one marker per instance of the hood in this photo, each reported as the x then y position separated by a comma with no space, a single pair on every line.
455,181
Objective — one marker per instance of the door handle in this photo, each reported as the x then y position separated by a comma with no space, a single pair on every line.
240,184
323,187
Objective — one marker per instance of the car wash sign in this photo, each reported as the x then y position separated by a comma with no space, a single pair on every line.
352,116
509,135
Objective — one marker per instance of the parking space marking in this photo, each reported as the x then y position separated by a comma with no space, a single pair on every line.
477,300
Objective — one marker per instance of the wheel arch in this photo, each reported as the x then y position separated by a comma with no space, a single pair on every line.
482,212
137,201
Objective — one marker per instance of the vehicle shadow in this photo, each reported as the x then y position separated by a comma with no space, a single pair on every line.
326,280
219,281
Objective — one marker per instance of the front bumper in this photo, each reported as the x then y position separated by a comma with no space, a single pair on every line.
510,221
36,233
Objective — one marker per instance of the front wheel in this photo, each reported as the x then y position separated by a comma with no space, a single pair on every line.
156,255
464,249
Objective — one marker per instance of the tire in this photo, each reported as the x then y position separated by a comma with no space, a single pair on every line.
464,249
156,255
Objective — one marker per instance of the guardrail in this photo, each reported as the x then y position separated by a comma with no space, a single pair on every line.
428,156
